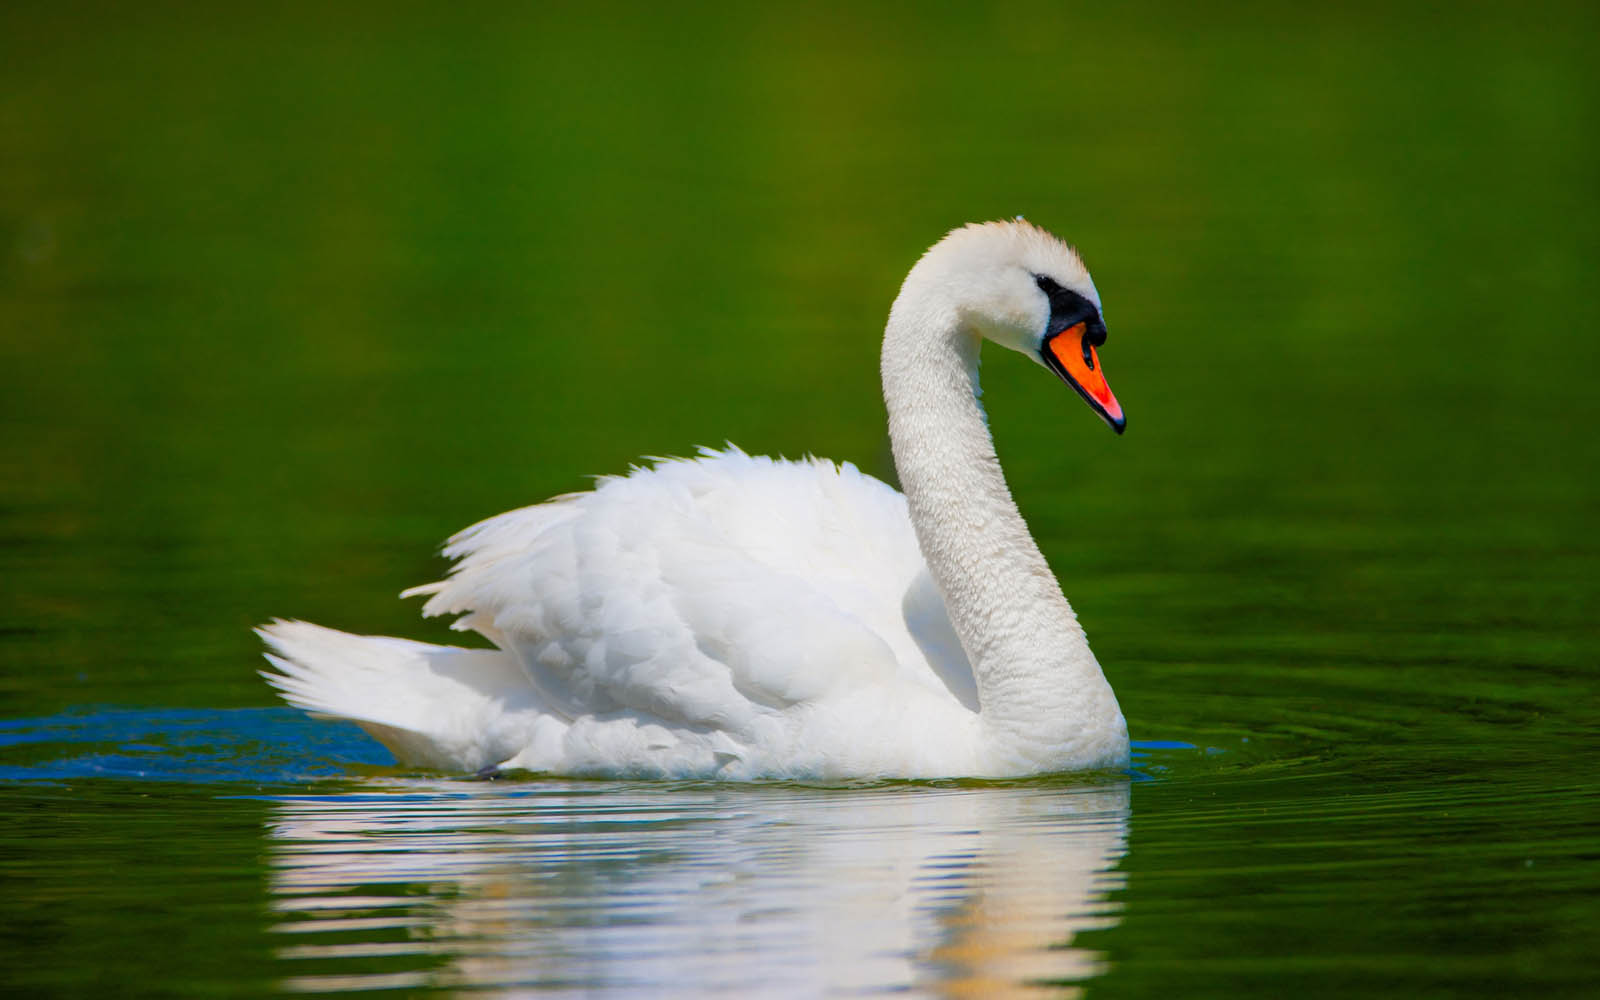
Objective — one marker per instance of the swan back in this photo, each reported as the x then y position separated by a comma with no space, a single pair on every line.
709,612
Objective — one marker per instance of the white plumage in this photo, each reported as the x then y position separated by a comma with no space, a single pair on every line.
740,617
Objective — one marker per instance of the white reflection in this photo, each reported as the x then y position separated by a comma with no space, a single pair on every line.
624,889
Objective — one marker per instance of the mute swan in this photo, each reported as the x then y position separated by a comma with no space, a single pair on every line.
736,617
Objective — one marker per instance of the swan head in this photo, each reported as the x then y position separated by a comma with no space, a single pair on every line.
1024,289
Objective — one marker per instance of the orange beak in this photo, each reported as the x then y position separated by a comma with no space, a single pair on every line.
1071,356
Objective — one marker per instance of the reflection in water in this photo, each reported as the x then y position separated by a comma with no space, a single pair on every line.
606,888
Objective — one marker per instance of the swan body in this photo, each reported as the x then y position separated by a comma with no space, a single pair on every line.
738,617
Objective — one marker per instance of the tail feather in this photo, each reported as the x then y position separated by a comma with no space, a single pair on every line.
433,706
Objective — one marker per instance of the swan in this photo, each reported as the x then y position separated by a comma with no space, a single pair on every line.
736,617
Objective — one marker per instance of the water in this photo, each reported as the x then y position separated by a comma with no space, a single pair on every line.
1207,870
286,298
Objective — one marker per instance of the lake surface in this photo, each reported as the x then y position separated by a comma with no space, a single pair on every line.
287,298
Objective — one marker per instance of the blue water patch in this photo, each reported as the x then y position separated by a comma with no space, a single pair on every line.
193,745
1152,759
250,746
1148,745
263,745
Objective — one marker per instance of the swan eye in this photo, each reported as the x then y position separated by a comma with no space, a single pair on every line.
1068,309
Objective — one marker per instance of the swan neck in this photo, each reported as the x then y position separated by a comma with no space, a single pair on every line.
1041,691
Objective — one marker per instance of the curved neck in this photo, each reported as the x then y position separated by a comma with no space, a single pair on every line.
1041,692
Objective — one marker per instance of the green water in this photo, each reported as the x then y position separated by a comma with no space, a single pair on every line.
287,297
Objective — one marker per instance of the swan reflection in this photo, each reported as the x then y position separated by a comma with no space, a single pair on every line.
624,889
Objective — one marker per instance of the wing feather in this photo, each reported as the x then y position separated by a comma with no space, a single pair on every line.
718,592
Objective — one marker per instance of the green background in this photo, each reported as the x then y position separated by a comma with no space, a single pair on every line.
288,295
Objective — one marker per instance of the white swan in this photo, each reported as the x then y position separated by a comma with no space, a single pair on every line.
738,617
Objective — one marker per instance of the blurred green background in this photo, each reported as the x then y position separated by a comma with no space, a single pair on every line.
289,294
